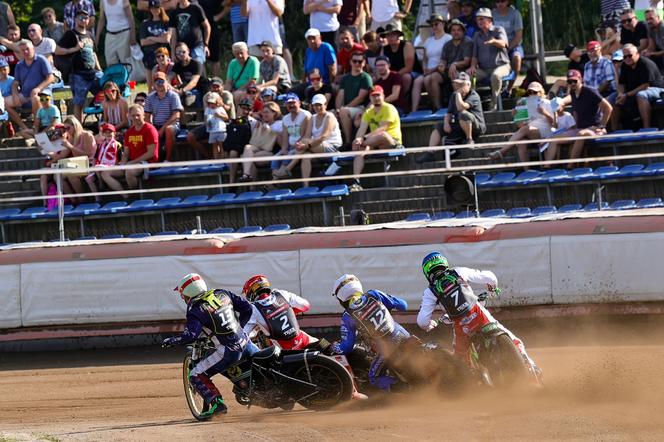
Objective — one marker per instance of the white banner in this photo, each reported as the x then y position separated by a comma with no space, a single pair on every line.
10,296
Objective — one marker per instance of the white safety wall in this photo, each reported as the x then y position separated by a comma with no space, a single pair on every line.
532,271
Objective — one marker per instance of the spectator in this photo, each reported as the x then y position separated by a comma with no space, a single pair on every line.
317,87
163,109
191,82
402,57
164,65
577,62
263,139
6,18
386,13
215,123
538,126
263,24
505,16
251,92
640,84
655,49
48,115
455,58
352,16
107,153
54,29
85,73
46,181
347,47
591,113
43,45
140,99
323,16
612,9
374,48
352,96
71,11
141,146
633,31
189,25
489,54
217,85
468,17
295,124
238,134
464,120
241,70
598,72
380,129
322,136
154,34
81,143
118,21
433,49
273,70
239,22
268,95
319,55
212,9
6,80
453,10
609,36
168,5
115,108
11,52
391,82
33,74
199,135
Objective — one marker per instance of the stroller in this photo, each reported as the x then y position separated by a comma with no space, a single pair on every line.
118,74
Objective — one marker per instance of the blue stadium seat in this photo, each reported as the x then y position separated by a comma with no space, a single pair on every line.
168,202
53,213
212,168
568,208
85,209
193,201
550,176
654,169
465,214
140,205
249,197
139,235
519,212
442,215
181,136
592,207
493,213
112,236
647,203
419,116
623,205
580,174
482,178
250,229
277,195
113,207
605,172
524,178
220,230
440,113
305,192
631,170
544,210
647,134
86,238
499,179
167,233
335,190
219,199
8,213
277,228
30,213
419,216
614,140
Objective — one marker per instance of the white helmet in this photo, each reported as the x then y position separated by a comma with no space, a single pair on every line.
191,285
346,286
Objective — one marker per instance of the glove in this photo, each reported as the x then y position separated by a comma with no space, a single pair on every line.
445,319
493,288
168,342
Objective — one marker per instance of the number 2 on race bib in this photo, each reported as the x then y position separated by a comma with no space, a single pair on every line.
377,319
286,325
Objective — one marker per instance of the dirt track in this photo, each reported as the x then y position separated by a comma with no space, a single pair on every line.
597,391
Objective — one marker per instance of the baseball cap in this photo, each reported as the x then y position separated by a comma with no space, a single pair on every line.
154,3
212,97
457,22
268,92
246,102
462,78
376,90
319,99
617,55
3,62
484,12
436,17
292,97
266,43
159,76
82,12
535,86
568,50
382,58
107,127
312,32
216,80
573,74
46,92
593,45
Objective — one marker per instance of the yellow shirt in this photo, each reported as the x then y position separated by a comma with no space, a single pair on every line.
388,113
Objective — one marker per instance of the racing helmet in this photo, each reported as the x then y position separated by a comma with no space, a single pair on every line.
191,285
346,286
433,264
256,287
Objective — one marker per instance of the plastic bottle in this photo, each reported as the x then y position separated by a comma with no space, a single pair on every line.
63,108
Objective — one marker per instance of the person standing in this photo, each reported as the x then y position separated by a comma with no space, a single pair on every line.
323,16
116,18
188,24
263,24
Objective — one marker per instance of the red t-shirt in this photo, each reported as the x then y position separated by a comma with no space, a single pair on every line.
343,57
393,79
137,141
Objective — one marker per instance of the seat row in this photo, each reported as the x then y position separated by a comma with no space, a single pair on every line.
527,212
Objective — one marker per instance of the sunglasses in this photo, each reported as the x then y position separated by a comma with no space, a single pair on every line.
82,17
44,99
32,30
357,61
529,93
314,79
628,55
161,56
572,81
627,20
159,81
139,100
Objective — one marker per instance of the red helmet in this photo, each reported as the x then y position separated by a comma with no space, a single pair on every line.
256,287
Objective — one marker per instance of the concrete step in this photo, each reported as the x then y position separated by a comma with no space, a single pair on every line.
12,142
19,152
15,185
28,163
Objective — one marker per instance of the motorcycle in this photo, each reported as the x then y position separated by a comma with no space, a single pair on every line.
274,378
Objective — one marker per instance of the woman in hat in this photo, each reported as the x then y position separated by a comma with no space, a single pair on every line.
539,124
433,48
154,33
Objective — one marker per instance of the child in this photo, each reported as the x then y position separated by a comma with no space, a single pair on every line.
215,123
48,115
106,156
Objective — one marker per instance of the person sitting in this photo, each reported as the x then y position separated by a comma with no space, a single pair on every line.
455,58
273,70
43,45
80,142
608,35
509,18
48,116
372,48
238,134
164,65
115,108
47,181
319,55
433,49
468,17
402,57
655,49
295,124
154,34
6,80
577,62
162,109
108,150
263,139
347,47
241,70
215,123
598,72
391,82
317,86
10,50
191,82
380,129
633,31
352,96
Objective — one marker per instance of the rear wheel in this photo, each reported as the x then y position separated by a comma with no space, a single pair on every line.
507,367
334,383
195,401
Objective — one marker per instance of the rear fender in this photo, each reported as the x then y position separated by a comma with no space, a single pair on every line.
299,357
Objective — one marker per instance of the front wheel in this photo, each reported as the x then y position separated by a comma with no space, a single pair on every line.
334,384
195,401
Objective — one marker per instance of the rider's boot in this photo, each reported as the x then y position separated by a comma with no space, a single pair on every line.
216,406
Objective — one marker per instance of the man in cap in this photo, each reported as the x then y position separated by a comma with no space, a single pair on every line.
402,56
273,70
380,129
72,9
163,108
598,72
320,55
217,85
590,110
490,58
577,62
323,16
391,82
238,134
6,80
352,96
294,124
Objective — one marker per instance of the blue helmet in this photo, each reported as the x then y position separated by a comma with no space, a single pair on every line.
433,264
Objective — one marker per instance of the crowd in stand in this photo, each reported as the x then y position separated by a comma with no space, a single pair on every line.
360,75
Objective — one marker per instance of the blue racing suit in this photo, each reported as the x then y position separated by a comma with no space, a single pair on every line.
214,314
374,321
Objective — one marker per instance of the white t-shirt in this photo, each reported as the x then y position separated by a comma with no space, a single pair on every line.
263,24
214,121
46,47
323,21
384,10
434,49
565,121
294,126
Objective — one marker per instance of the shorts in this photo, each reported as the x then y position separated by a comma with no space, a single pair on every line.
80,86
198,53
217,137
651,94
517,50
355,111
329,148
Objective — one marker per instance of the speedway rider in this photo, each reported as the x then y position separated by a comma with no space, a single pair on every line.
368,313
450,287
213,312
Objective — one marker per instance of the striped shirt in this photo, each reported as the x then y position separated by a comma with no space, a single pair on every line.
594,74
236,15
609,6
162,108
